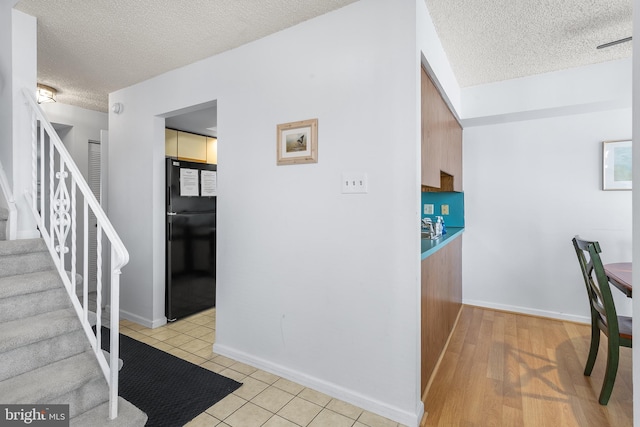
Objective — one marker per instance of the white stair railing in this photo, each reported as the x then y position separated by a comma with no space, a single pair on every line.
12,220
54,200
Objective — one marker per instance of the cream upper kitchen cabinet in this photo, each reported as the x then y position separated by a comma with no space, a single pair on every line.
192,147
171,143
212,150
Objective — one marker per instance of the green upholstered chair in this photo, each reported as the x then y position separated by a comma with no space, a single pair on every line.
603,314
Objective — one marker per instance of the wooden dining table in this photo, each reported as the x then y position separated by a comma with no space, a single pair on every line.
619,275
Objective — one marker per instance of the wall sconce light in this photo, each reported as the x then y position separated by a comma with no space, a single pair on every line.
117,108
45,94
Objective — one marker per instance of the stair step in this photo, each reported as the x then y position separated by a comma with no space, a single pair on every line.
52,381
22,246
38,354
33,304
85,397
11,265
29,283
33,342
128,416
23,332
24,256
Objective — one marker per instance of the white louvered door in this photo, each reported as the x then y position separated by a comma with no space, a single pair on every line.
94,185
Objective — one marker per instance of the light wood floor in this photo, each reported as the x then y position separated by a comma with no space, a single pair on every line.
504,369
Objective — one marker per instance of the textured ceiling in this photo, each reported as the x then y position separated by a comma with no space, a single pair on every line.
488,41
89,48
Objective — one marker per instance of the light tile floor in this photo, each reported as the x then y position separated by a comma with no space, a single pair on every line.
264,399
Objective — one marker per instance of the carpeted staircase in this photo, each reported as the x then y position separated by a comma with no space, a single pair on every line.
45,356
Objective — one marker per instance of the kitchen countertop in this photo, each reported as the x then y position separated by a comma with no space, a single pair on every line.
430,246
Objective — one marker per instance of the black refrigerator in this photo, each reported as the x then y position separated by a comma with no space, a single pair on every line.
191,237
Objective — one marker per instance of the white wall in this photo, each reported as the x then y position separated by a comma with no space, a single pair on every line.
23,65
597,87
532,159
6,96
530,186
314,285
84,125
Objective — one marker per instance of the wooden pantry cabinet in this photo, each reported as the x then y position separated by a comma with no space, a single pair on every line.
441,301
441,141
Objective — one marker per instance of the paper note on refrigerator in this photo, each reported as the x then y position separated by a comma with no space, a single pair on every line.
189,182
209,183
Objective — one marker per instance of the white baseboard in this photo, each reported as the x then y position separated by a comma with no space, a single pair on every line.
396,414
159,322
530,311
142,320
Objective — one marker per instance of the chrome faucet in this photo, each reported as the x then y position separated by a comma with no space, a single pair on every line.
431,229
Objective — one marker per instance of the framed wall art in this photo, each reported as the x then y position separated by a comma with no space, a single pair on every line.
616,165
298,142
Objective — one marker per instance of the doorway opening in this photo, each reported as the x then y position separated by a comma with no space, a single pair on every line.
191,165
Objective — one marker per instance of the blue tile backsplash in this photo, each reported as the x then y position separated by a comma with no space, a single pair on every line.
455,202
